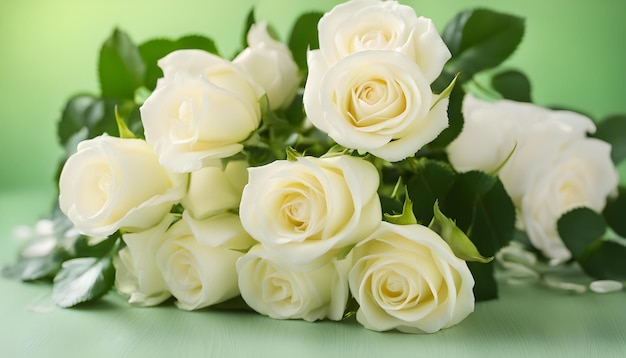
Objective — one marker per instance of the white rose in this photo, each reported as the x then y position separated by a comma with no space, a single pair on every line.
382,25
112,183
554,168
136,271
312,292
202,109
303,209
582,175
200,270
491,131
213,190
406,277
488,135
271,65
539,147
505,123
374,101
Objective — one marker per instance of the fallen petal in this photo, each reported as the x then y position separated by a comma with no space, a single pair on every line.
606,286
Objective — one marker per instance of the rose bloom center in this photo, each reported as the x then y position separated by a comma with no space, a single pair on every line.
393,288
100,178
296,210
183,130
374,39
375,101
186,274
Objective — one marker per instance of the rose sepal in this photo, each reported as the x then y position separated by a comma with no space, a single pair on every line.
460,244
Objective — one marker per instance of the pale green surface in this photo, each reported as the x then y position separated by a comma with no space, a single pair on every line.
574,52
527,321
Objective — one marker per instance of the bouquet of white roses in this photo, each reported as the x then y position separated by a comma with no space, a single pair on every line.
357,168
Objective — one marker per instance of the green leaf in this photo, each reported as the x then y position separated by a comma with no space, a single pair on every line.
250,20
141,95
44,267
197,42
352,306
337,151
429,181
460,244
481,208
613,131
512,85
86,117
443,81
276,133
453,33
295,112
121,69
83,248
582,231
388,190
455,120
390,205
269,119
614,213
311,140
446,92
481,39
474,185
258,154
122,129
605,260
292,154
303,37
407,217
494,221
133,119
81,280
73,117
36,268
153,50
99,117
344,252
485,287
579,228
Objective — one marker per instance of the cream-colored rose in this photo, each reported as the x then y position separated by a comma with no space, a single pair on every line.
488,135
540,147
136,273
406,277
491,131
303,209
554,168
202,109
581,175
112,183
214,189
198,260
374,101
271,65
382,25
312,292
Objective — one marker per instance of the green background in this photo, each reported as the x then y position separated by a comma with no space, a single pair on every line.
574,53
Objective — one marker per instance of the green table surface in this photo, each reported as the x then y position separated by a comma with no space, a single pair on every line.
527,321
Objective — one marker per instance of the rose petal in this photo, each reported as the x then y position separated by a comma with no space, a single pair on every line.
606,286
